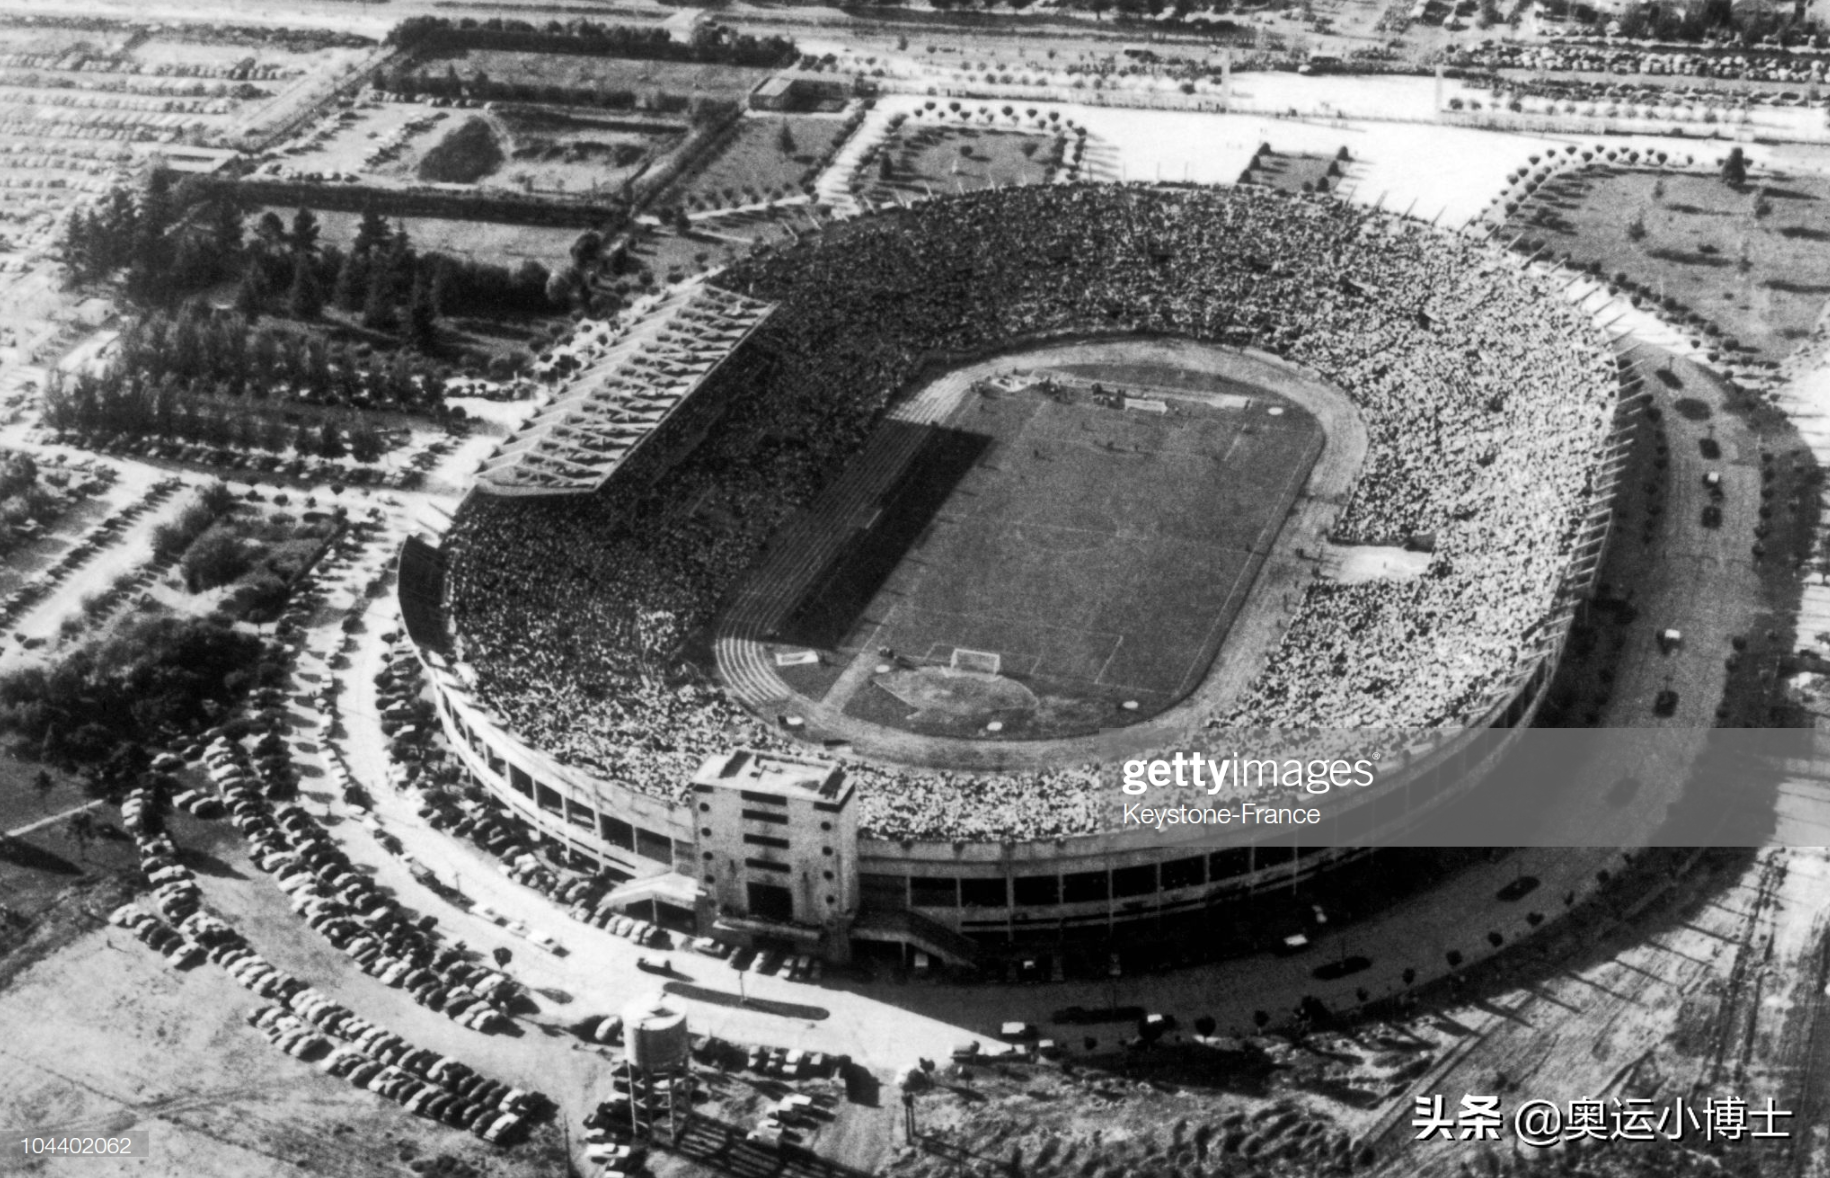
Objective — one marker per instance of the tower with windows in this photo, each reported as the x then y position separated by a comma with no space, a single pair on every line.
778,848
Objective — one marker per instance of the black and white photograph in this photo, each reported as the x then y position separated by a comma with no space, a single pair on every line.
914,588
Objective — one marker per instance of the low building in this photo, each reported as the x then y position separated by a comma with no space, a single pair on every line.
777,93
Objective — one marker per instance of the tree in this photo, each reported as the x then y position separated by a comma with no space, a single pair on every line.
82,829
364,442
371,233
352,283
1636,228
378,302
304,301
251,295
422,316
215,559
42,785
588,249
225,231
76,245
784,139
304,235
563,285
1734,168
330,440
317,368
270,232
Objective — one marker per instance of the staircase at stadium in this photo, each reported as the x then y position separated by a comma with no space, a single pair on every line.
904,926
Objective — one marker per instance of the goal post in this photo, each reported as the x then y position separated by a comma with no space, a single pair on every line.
988,662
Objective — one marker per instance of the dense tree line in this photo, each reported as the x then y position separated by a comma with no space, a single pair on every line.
711,43
495,206
285,269
480,87
152,681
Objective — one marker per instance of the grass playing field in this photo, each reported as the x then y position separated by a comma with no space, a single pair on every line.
1100,552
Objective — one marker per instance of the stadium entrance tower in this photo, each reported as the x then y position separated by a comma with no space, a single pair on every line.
778,844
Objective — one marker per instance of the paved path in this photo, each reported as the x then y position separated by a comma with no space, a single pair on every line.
53,820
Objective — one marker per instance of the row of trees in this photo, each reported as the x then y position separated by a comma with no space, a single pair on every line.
232,356
701,110
711,43
178,412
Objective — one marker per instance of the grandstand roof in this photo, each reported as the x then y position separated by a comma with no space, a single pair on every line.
624,394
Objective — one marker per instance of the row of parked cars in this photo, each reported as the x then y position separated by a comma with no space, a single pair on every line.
436,1087
630,928
174,887
424,1082
155,934
37,586
302,1021
345,907
796,967
1616,58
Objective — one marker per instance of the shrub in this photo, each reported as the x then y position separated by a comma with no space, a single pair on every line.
465,156
214,559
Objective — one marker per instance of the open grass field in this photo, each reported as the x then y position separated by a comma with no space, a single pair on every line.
759,164
1754,260
574,71
1100,552
924,158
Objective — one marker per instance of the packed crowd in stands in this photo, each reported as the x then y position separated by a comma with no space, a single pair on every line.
1487,401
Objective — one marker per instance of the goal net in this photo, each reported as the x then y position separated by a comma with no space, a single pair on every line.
975,660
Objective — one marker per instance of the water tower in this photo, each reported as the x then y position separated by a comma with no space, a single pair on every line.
657,1056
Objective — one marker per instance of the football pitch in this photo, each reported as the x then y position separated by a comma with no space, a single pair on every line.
1101,552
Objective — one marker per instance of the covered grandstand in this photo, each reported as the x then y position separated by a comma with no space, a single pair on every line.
626,389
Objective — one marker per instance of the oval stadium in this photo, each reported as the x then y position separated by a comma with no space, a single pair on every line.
822,602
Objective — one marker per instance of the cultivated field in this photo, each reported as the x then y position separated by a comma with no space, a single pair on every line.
1751,259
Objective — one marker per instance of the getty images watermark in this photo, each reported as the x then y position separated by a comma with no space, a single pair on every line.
1237,775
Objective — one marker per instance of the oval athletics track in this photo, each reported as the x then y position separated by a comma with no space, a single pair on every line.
744,653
